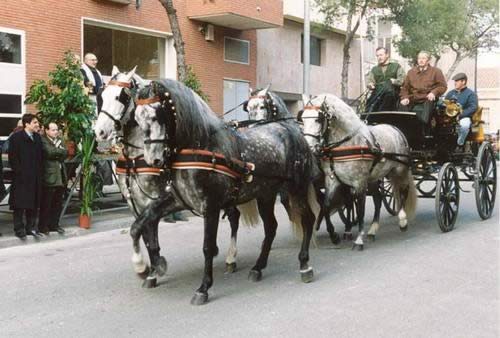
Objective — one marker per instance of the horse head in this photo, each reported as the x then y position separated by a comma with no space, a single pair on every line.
314,118
260,105
117,101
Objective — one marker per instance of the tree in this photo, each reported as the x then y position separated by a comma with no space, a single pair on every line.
461,26
353,11
178,41
186,73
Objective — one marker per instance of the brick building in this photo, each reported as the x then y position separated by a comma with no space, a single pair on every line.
220,43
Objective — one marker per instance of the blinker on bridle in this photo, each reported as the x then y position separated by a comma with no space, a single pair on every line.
125,103
269,104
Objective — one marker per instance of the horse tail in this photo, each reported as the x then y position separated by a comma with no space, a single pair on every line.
405,185
296,211
249,213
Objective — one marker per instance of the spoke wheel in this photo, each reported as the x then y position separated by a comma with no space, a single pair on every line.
388,199
485,181
447,197
348,213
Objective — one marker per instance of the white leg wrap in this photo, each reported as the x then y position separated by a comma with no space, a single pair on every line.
359,239
138,262
373,229
231,252
403,222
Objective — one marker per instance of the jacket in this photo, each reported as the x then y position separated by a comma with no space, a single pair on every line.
418,84
54,173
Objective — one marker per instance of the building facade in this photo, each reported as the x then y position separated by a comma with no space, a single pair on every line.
219,36
280,54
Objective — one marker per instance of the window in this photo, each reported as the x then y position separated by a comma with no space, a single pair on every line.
385,42
125,50
315,50
235,92
10,104
236,50
10,48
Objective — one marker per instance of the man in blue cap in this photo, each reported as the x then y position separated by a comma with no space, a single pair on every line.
468,100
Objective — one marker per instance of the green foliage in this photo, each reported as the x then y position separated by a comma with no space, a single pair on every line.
88,184
194,83
61,99
437,26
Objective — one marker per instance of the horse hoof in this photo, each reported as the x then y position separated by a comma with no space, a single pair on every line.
149,283
347,236
403,229
143,275
370,237
254,275
199,298
357,247
230,267
307,275
335,238
162,266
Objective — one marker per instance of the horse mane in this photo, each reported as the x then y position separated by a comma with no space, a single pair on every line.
196,123
344,113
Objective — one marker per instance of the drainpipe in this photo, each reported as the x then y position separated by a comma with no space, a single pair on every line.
306,48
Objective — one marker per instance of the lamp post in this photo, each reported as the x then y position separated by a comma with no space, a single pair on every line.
306,49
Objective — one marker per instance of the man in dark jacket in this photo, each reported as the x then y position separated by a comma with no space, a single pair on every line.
422,87
384,80
468,100
54,180
25,159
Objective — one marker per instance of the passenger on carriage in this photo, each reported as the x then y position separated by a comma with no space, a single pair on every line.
384,80
423,85
468,100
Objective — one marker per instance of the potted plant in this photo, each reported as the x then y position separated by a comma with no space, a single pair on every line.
87,182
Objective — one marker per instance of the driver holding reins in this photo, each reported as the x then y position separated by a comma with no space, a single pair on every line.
468,100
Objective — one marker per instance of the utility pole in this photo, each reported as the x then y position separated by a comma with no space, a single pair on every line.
306,48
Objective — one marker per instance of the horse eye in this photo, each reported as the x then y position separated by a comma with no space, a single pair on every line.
154,119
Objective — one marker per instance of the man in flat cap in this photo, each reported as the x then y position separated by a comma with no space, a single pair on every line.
468,100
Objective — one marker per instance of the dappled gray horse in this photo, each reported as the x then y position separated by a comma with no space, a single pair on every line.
211,166
265,106
139,182
357,155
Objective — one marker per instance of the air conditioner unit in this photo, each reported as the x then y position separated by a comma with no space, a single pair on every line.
210,33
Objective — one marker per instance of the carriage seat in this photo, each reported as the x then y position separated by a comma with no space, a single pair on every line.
476,133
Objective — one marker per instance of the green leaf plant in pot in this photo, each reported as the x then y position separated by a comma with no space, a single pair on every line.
88,180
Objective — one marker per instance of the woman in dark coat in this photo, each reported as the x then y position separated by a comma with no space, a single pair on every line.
25,159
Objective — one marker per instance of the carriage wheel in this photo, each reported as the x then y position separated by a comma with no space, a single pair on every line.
485,181
447,197
388,199
348,213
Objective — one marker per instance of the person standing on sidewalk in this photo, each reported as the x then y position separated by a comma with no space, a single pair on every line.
54,180
25,159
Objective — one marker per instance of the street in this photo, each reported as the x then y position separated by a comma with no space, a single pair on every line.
421,283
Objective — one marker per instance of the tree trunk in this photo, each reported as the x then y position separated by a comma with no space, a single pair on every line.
178,41
454,65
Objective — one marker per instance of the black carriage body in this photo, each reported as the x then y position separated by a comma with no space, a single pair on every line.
438,169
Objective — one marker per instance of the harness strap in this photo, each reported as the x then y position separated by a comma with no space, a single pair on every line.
212,161
120,84
137,165
348,153
141,102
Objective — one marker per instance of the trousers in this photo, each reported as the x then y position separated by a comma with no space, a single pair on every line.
50,208
464,130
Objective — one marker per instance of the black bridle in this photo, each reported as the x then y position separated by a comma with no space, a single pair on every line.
124,98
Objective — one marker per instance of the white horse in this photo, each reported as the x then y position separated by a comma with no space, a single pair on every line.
358,155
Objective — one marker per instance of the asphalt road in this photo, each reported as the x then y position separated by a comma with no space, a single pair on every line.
421,283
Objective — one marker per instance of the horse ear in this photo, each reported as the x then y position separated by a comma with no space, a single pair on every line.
131,73
305,99
114,71
267,88
245,106
250,90
140,81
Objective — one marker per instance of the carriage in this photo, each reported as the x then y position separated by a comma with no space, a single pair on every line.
440,171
